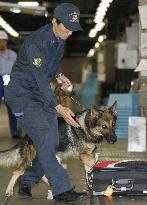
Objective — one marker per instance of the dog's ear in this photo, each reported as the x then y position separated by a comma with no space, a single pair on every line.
93,112
113,108
92,117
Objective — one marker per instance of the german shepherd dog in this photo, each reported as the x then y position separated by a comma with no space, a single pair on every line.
95,125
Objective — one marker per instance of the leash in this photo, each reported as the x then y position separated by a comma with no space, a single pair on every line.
76,102
68,94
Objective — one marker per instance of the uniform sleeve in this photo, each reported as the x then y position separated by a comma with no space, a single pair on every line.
59,70
41,71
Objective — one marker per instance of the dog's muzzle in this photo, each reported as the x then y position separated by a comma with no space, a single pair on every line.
111,139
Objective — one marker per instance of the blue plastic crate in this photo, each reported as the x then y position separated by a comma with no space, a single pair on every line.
87,94
122,135
127,105
124,100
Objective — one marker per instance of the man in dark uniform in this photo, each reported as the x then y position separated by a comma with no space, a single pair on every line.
35,105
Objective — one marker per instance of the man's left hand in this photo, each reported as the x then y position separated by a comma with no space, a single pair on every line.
64,81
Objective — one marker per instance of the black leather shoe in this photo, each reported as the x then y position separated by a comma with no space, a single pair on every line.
24,191
71,197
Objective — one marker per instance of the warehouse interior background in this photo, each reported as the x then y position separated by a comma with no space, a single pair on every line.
106,62
101,60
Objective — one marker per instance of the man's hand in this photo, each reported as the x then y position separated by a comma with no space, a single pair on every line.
67,114
64,80
66,85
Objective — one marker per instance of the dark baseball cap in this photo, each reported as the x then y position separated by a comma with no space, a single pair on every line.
68,14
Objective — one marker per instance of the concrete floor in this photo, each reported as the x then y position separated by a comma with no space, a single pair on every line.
75,170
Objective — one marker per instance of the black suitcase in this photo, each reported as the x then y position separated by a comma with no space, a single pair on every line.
126,178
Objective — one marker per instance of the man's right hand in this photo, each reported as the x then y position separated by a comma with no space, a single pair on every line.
67,114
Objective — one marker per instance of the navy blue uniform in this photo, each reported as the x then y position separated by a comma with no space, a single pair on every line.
31,99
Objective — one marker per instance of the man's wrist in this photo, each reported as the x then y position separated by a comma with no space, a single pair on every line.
58,107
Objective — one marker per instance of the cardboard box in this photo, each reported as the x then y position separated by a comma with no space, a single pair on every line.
125,58
137,134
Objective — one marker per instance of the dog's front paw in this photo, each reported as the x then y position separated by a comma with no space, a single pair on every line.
9,193
49,195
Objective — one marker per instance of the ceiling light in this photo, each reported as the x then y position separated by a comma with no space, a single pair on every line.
96,45
15,10
46,14
28,3
99,27
105,1
99,17
39,10
91,53
8,28
101,38
92,33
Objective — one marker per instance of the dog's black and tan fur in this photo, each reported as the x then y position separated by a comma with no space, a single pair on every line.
96,125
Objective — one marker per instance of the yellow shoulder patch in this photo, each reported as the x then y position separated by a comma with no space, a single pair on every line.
37,62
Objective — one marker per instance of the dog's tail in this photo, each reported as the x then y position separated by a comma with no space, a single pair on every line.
10,157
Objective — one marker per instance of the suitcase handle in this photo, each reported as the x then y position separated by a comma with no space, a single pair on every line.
122,184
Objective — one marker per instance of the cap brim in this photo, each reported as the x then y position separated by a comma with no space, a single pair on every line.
72,26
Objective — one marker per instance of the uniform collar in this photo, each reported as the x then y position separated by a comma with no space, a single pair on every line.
53,38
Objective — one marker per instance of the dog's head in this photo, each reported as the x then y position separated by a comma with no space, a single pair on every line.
100,124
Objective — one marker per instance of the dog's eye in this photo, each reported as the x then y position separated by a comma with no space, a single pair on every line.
103,126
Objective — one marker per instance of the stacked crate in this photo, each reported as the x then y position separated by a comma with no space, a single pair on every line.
88,92
127,105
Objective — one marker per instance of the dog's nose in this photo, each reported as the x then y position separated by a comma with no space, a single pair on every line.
112,139
112,142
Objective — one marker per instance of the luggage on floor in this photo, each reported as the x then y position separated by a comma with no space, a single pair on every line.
124,177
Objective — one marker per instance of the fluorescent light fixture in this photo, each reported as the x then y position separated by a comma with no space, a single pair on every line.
8,28
96,45
37,10
99,17
15,10
91,53
46,14
28,3
105,1
98,27
101,38
92,33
